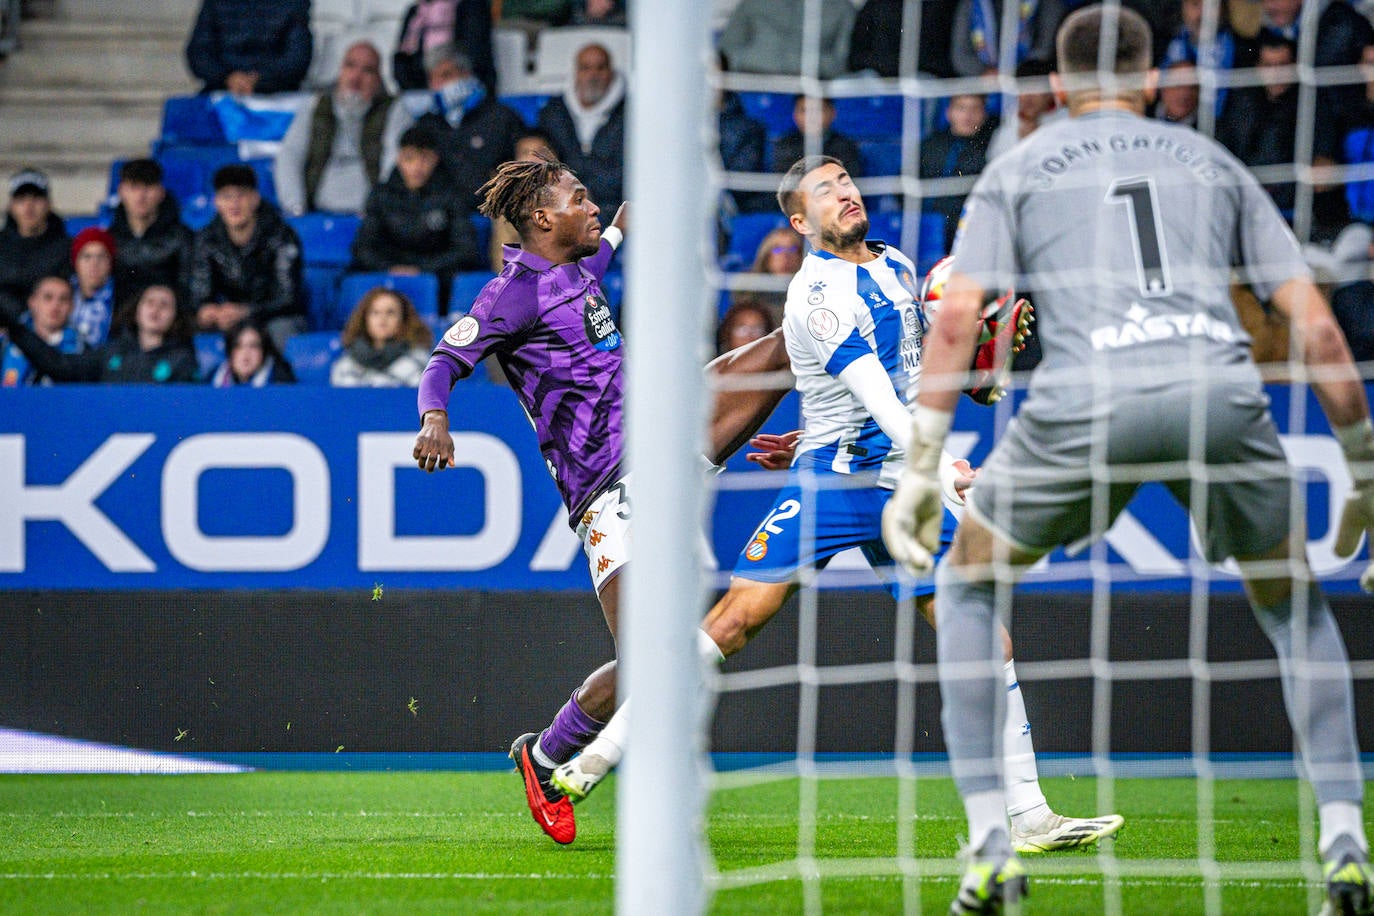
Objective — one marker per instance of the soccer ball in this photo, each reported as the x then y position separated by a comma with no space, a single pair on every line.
932,290
1003,329
934,284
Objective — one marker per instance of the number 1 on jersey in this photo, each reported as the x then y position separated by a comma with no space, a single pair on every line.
1151,261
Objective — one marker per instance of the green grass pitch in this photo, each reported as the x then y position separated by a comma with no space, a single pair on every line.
415,843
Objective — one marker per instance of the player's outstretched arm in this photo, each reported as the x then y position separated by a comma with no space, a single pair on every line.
1338,387
741,403
434,444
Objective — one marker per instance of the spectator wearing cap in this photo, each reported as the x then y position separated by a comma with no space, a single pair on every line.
415,222
341,142
587,124
246,261
465,24
475,132
153,244
93,288
33,242
251,46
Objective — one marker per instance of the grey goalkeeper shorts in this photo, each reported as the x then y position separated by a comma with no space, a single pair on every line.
1051,483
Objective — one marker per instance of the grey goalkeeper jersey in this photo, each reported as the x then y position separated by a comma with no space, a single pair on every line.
1127,233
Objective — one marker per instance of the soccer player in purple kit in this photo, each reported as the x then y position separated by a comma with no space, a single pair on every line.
549,325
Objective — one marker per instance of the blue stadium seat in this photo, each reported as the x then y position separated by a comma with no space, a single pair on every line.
267,182
881,157
774,109
613,285
209,352
466,286
188,171
197,214
930,245
1358,148
483,227
527,106
322,294
421,289
746,232
886,226
189,119
75,224
311,354
326,238
872,117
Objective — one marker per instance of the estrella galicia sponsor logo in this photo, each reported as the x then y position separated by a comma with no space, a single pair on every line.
601,329
1142,327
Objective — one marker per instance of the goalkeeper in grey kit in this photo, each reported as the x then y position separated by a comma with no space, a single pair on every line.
1146,375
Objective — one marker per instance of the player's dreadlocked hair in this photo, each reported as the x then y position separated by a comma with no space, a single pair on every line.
518,188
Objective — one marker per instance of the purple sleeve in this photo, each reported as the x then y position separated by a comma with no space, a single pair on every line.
437,382
598,263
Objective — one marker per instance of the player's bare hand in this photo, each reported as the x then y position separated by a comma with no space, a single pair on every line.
434,444
775,452
1357,523
956,477
912,520
622,218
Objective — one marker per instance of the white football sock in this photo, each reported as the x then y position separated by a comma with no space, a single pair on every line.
1340,817
987,811
1018,755
610,744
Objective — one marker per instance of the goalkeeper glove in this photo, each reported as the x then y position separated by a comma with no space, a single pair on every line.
1357,518
912,517
1005,329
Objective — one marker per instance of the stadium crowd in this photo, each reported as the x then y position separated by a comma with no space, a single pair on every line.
371,180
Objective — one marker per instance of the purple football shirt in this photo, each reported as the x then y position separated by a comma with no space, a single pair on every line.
550,329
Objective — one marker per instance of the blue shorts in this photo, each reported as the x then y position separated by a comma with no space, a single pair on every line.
829,521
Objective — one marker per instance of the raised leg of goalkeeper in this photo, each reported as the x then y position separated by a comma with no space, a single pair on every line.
969,652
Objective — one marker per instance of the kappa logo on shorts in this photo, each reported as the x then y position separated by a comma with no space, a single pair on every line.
462,333
757,550
595,537
603,563
587,517
822,323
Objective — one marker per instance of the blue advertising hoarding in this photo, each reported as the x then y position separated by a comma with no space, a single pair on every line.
298,487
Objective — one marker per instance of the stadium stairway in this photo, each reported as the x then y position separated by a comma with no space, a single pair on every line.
86,86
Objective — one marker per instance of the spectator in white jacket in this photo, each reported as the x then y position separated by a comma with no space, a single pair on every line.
386,343
342,142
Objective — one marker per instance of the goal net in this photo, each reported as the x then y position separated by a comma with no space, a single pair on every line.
1139,659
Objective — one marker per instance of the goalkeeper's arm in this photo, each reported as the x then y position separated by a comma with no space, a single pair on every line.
1338,387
